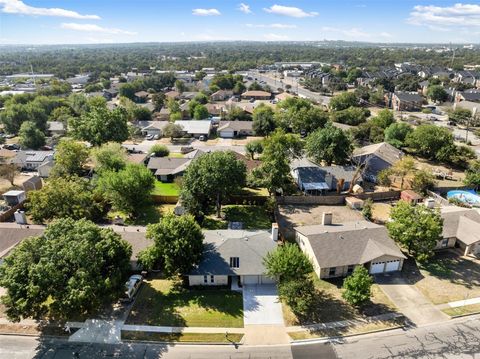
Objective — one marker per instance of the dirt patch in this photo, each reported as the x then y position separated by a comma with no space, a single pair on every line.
381,212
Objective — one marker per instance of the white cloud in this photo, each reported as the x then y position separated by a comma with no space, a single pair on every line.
458,14
205,12
289,11
19,7
272,26
95,28
357,34
244,8
275,37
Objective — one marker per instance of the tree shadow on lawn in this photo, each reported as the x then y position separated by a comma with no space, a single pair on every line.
173,308
445,265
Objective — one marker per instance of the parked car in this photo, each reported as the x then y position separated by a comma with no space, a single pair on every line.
203,138
131,287
149,137
12,147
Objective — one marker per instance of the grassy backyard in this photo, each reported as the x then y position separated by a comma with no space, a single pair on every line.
446,278
252,217
166,189
166,303
331,307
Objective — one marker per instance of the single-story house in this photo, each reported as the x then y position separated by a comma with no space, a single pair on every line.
233,257
313,179
152,127
45,168
283,96
221,95
406,101
336,249
375,158
32,184
172,94
215,109
30,160
256,95
12,234
231,129
196,128
56,128
468,95
461,229
411,196
249,163
137,158
141,96
166,169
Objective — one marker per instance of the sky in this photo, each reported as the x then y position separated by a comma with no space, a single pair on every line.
123,21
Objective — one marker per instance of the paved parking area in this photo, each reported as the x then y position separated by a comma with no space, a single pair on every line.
261,305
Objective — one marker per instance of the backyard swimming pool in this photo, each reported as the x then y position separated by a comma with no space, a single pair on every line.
469,196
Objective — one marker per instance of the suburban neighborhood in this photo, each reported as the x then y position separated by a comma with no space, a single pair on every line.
280,199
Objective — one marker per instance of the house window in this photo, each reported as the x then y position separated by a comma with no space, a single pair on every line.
205,279
234,262
331,271
350,269
212,280
445,243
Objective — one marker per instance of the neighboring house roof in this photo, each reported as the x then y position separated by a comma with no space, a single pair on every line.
461,223
256,94
215,109
148,125
55,126
408,96
149,106
249,246
195,126
164,166
382,150
349,243
33,183
172,94
249,163
189,94
235,125
471,96
222,93
469,105
283,96
141,94
137,158
37,156
12,234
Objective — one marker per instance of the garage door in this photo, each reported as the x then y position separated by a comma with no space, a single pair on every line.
392,266
266,280
377,267
226,134
250,279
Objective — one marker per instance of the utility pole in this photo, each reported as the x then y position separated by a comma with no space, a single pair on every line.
474,113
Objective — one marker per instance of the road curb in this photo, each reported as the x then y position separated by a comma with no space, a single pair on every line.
180,343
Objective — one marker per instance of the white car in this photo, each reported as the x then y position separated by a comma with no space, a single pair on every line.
132,287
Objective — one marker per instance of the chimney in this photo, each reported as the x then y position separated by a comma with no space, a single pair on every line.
329,180
275,232
327,218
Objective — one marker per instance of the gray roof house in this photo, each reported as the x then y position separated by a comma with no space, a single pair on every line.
336,249
30,160
56,128
166,169
152,127
461,229
230,129
233,257
196,128
313,179
376,158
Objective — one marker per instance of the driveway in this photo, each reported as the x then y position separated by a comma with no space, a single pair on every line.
409,300
261,305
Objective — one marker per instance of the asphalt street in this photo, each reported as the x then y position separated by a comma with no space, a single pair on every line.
452,339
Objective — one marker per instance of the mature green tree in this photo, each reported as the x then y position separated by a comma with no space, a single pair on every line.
352,116
437,93
129,189
330,145
15,114
423,181
64,197
72,269
173,130
200,112
298,294
403,168
430,140
461,116
287,262
128,90
367,209
239,88
383,119
201,98
343,101
180,86
254,147
237,114
158,150
472,175
416,228
357,287
263,120
8,171
101,125
30,136
396,133
158,100
110,156
178,245
298,115
210,178
278,150
407,82
70,158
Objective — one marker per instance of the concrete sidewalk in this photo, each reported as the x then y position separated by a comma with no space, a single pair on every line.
459,303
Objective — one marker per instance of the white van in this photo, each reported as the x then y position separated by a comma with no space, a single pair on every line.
132,287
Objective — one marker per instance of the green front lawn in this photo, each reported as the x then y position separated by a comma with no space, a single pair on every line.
166,303
466,309
166,189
